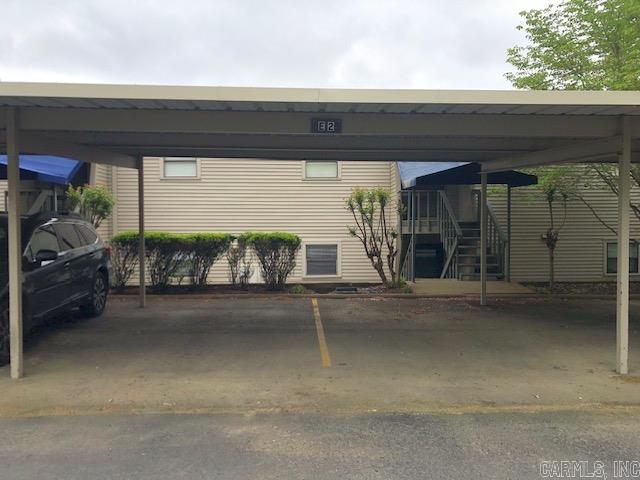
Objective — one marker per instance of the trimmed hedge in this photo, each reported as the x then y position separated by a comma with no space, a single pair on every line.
240,260
124,257
203,250
276,252
169,255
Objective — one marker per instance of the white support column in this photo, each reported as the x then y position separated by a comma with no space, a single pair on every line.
507,267
622,300
15,250
483,239
141,247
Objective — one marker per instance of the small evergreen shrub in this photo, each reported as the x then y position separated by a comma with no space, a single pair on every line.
240,260
297,289
276,252
202,251
124,257
164,253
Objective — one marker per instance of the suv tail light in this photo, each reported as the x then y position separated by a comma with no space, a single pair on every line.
108,249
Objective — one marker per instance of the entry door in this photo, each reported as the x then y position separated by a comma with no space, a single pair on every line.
47,285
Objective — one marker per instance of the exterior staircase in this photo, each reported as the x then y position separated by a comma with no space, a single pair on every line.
468,255
460,240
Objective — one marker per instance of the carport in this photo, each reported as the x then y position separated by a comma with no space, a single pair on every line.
500,130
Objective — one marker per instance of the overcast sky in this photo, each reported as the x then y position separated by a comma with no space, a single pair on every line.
315,43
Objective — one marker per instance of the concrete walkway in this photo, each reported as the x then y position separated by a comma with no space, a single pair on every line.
385,354
446,286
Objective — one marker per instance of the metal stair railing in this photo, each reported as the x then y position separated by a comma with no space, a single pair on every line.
496,239
450,234
407,270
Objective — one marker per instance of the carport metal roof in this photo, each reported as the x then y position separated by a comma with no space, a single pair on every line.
501,129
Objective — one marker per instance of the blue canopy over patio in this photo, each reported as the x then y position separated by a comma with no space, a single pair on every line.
44,168
415,174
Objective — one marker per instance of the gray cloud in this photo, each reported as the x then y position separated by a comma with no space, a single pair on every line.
330,43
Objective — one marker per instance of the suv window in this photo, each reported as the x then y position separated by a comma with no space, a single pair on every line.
44,238
69,236
88,233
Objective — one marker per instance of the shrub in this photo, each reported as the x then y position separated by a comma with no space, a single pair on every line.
202,251
124,257
240,259
276,252
164,254
297,289
93,202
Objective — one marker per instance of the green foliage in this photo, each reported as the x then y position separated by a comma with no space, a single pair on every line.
124,257
93,202
276,252
579,45
557,184
369,210
202,251
297,290
164,254
240,258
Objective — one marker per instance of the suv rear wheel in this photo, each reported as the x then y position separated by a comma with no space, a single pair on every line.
98,300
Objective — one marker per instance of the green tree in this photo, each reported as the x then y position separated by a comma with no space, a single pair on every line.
93,202
369,210
556,185
579,45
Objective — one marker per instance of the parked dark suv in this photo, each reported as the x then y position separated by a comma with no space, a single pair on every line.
64,265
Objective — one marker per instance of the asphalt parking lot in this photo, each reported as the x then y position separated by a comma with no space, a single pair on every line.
313,446
185,354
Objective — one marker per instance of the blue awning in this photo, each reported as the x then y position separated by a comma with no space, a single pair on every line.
416,174
411,171
44,168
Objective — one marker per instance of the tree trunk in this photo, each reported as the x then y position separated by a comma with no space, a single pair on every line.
552,273
380,269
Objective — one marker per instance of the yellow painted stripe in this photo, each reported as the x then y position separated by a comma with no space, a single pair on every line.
322,341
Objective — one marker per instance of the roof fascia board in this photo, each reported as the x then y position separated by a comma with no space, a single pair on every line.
572,153
180,121
40,144
317,95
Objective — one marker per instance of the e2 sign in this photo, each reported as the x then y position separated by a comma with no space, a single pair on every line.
326,125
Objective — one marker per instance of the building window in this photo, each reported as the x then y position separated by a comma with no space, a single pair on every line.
612,257
321,170
179,167
322,259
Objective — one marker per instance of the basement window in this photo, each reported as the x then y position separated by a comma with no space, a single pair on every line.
611,254
180,167
321,259
321,170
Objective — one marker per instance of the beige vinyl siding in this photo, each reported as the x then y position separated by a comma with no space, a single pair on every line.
580,251
101,175
235,196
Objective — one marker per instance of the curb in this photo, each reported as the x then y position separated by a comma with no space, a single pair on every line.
433,409
408,296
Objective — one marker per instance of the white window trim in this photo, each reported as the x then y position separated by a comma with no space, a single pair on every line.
338,243
321,179
178,178
604,258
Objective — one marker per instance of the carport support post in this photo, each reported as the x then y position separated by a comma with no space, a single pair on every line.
483,239
141,245
507,268
15,253
622,301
